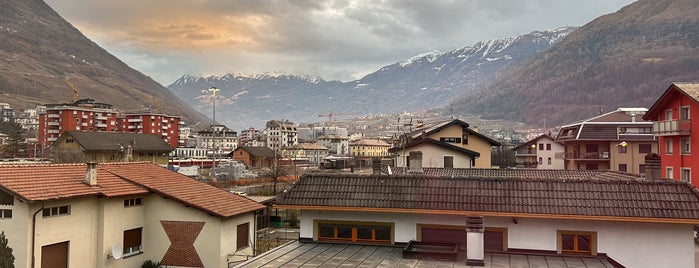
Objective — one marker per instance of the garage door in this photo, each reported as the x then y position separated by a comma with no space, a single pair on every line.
494,238
55,255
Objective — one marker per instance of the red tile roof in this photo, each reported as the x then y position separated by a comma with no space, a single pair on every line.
558,197
36,183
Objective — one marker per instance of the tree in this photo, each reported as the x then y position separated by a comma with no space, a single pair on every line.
16,143
7,260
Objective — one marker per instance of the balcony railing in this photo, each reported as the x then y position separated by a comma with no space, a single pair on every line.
592,155
672,127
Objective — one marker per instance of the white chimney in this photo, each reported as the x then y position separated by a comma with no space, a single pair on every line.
475,248
91,174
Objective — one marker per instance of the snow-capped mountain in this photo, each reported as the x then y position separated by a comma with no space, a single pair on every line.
426,81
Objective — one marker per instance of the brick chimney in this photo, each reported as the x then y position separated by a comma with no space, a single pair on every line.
376,166
475,248
652,171
91,174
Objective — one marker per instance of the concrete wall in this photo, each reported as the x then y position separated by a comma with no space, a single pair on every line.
631,244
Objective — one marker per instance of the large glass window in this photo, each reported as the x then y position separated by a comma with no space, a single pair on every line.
363,232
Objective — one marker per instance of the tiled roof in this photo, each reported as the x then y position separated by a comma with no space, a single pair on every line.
36,183
307,146
518,173
532,141
555,197
181,188
370,142
432,128
689,89
110,141
258,151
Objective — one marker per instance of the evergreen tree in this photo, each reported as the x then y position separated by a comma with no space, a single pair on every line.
16,145
7,260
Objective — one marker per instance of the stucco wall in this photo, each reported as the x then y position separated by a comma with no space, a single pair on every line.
433,156
631,244
18,232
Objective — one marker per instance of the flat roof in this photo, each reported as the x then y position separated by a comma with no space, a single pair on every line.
312,254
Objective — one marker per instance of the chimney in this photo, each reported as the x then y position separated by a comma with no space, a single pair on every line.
415,162
633,117
376,166
652,171
91,174
475,249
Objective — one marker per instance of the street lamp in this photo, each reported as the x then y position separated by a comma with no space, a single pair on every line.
213,91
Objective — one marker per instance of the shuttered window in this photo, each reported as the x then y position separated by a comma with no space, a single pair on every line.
132,241
242,235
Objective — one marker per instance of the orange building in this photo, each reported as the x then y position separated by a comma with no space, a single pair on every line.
82,115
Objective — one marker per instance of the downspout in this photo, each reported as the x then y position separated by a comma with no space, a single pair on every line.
254,233
34,232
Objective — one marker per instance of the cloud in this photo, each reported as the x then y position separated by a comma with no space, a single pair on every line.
335,39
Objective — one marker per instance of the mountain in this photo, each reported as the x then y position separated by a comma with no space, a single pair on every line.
419,83
41,54
623,59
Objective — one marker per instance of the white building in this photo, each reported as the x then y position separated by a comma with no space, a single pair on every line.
280,134
541,152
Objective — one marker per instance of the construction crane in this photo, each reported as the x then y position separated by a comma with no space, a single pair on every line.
75,90
330,117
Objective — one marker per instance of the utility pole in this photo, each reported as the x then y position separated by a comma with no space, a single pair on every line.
213,90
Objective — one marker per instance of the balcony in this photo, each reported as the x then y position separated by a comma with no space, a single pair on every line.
54,115
54,124
135,120
101,125
54,131
672,127
587,156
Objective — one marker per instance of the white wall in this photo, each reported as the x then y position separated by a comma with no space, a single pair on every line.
433,156
629,243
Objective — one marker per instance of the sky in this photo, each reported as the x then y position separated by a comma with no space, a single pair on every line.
333,39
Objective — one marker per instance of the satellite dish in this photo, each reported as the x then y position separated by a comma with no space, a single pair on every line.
116,252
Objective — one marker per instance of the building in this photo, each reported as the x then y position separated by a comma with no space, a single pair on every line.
247,136
542,152
505,219
337,145
166,126
78,215
617,140
672,117
254,157
83,115
225,139
305,153
447,144
104,147
281,134
365,149
312,133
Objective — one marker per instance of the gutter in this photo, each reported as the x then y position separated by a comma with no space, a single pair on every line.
34,232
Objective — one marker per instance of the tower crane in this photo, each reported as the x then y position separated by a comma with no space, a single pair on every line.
330,117
75,90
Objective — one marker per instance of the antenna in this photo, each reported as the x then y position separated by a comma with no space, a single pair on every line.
116,252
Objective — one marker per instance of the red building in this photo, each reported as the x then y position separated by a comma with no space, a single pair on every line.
671,115
83,115
166,126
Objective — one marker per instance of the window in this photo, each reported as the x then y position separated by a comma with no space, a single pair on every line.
685,146
448,161
541,146
669,173
548,147
242,235
5,214
132,242
668,146
464,139
623,168
133,202
362,232
549,160
686,175
684,113
450,139
577,242
622,149
644,148
668,114
56,211
69,140
541,161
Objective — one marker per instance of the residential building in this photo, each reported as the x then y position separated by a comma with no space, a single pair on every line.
542,152
337,145
504,220
447,144
364,150
83,115
307,153
281,134
104,147
672,117
226,139
83,215
247,136
617,140
254,157
312,133
166,126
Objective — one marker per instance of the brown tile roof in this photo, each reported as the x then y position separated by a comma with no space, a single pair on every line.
307,146
605,127
445,145
258,151
435,127
36,183
555,197
370,142
181,188
110,141
519,173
